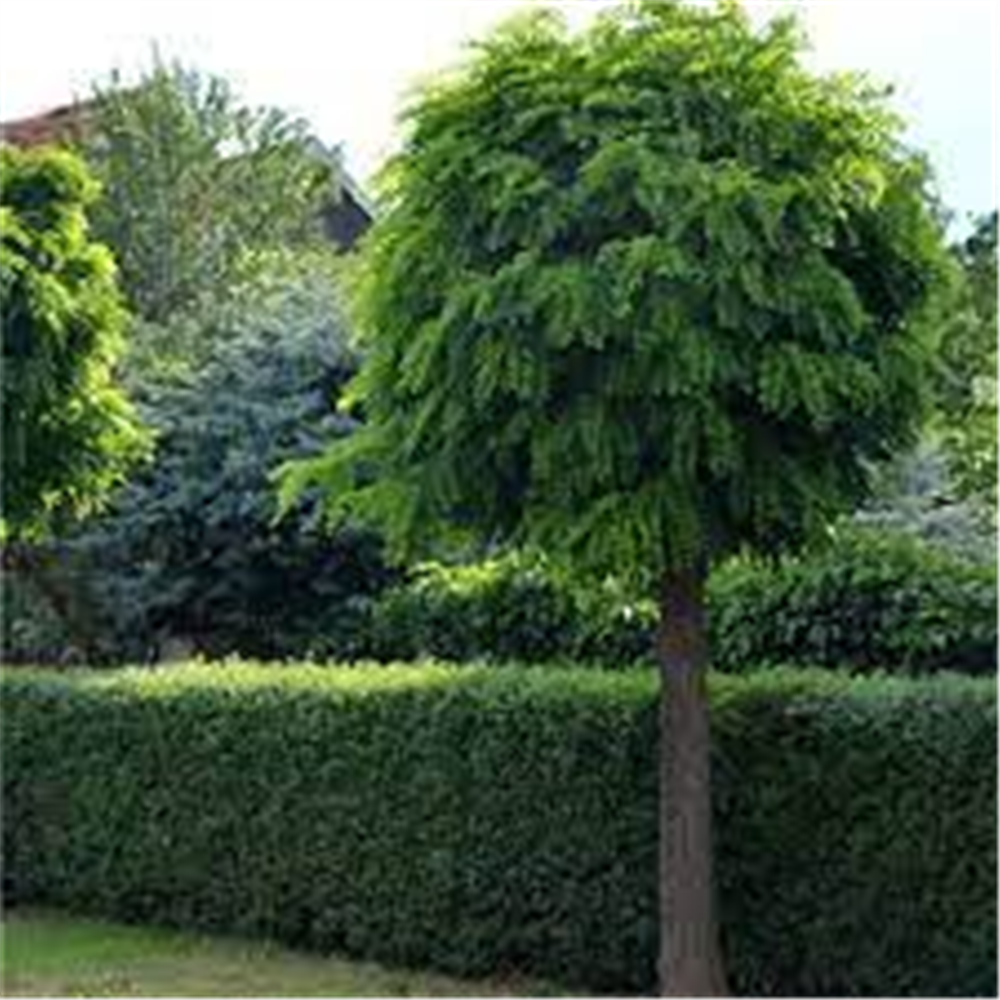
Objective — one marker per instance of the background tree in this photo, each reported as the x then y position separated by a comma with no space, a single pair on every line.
198,186
69,432
188,556
917,494
215,211
640,297
945,490
968,383
190,549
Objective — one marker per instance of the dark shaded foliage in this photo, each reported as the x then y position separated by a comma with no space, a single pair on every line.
479,821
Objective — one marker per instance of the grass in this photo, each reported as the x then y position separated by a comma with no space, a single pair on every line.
53,954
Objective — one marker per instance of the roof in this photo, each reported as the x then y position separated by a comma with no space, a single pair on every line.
56,125
346,218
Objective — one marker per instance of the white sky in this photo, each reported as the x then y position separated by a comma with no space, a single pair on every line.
346,64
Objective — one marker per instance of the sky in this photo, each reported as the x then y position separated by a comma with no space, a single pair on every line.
347,65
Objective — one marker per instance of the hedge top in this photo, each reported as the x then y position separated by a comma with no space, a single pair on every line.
520,683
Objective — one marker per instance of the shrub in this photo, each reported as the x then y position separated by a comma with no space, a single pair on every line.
510,608
480,821
866,599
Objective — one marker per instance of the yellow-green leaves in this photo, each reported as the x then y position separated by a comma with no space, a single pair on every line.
69,433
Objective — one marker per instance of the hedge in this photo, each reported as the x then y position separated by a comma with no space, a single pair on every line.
483,821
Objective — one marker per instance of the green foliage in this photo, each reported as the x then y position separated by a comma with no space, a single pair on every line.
862,600
236,354
235,360
635,294
189,550
31,631
482,821
968,383
498,608
198,187
510,608
916,495
69,433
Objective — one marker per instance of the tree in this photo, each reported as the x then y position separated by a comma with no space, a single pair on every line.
945,490
968,382
69,432
197,186
915,494
209,207
188,554
640,297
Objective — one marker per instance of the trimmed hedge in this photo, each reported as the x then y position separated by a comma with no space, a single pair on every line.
480,821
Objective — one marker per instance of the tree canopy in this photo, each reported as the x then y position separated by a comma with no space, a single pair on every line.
637,293
198,186
69,432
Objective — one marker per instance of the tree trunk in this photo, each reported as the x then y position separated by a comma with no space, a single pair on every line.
690,961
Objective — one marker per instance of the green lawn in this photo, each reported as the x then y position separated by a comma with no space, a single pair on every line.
51,954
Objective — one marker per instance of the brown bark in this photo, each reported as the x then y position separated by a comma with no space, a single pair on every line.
690,961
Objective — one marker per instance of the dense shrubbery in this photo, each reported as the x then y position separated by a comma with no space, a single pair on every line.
865,599
480,820
29,626
511,608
